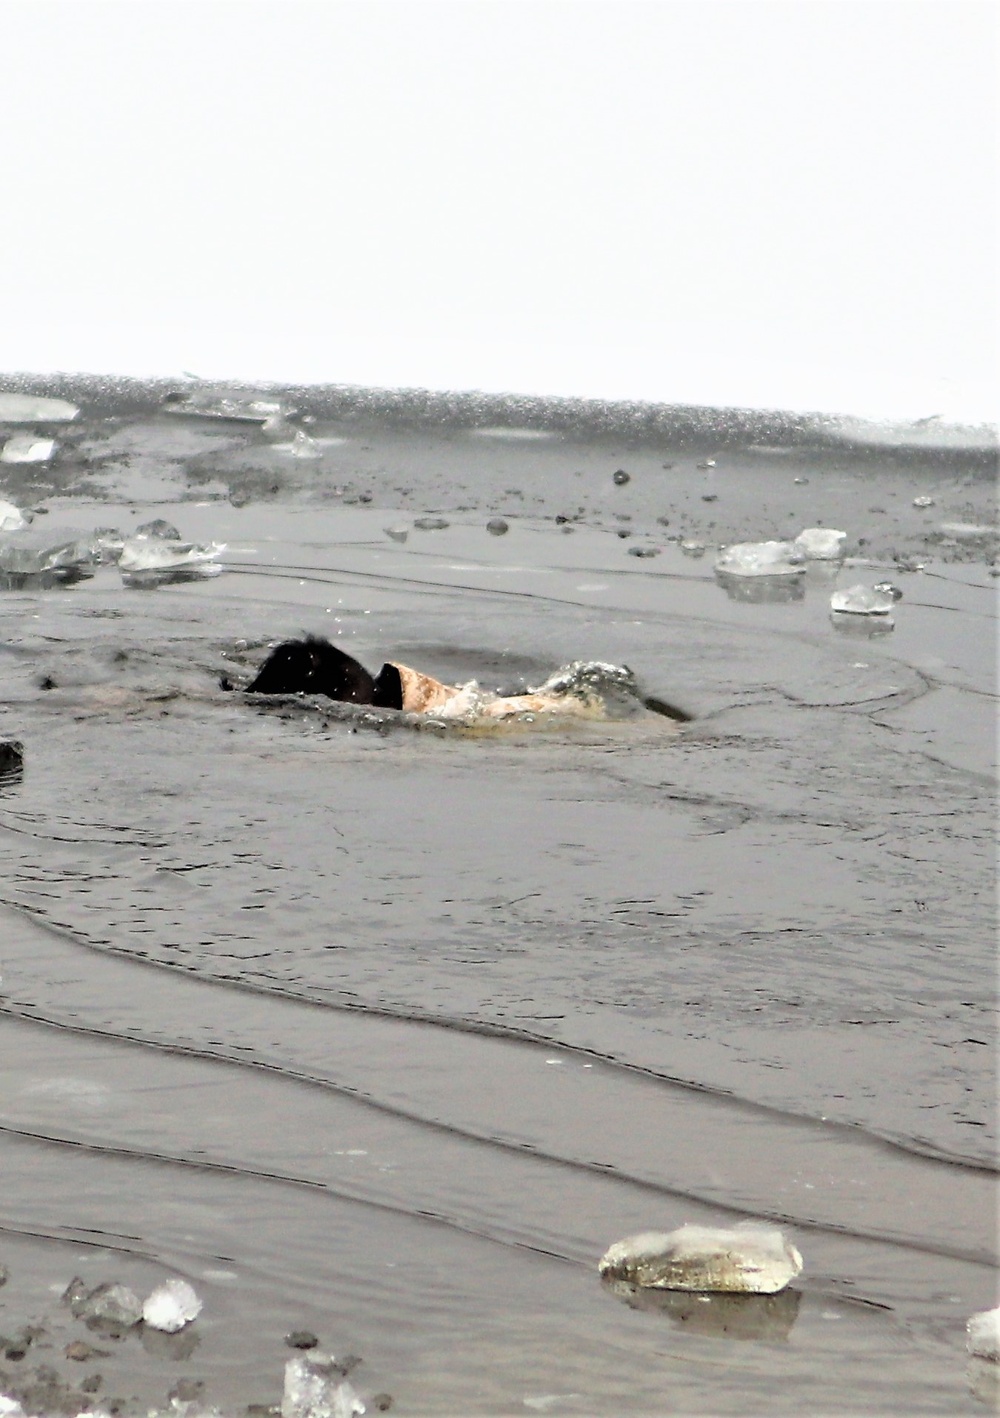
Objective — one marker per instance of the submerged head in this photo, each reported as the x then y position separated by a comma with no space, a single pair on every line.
314,666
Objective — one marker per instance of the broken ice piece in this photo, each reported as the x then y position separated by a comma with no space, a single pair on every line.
750,1258
109,1304
862,600
142,555
984,1334
159,528
204,404
34,408
29,550
12,519
171,1306
923,502
24,448
397,534
886,588
430,524
315,1387
761,559
821,543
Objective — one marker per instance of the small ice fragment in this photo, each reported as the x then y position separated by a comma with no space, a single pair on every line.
30,550
760,559
397,534
750,1258
12,519
969,531
886,588
690,547
111,1303
33,408
708,463
821,543
315,1387
430,524
862,600
305,447
984,1334
923,502
496,527
205,404
171,1306
620,478
24,448
10,1408
644,551
145,560
160,529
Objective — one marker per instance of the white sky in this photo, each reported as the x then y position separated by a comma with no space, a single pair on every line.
765,203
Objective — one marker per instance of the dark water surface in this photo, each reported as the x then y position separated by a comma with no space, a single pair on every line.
388,1034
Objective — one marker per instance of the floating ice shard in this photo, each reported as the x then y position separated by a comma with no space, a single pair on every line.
152,561
862,600
160,529
315,1387
12,519
171,1306
209,405
25,448
302,446
110,1304
750,1258
30,550
821,543
430,524
34,408
984,1334
397,534
923,502
761,559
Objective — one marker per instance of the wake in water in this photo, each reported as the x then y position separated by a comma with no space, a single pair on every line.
587,689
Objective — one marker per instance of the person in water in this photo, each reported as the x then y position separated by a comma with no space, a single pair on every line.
314,666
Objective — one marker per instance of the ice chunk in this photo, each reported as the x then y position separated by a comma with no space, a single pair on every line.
10,1408
761,559
171,1306
821,543
110,1304
315,1387
886,588
397,534
984,1334
12,519
430,524
159,528
862,600
206,404
750,1258
497,526
150,561
302,446
29,550
34,408
25,448
923,502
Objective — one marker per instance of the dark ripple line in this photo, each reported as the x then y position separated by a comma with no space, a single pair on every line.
606,1171
914,1147
167,1159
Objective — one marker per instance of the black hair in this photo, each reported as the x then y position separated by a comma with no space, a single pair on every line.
314,666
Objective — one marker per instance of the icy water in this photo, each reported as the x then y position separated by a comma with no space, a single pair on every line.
389,1033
